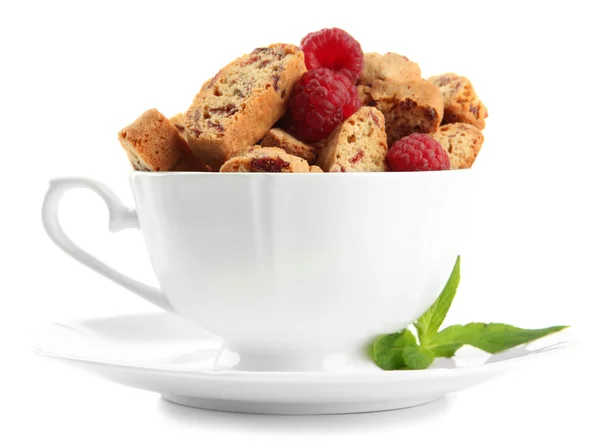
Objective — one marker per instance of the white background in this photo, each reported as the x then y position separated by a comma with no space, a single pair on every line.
73,74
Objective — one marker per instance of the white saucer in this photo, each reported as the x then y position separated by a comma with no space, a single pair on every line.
165,354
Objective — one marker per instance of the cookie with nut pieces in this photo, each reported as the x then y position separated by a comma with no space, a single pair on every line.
461,141
257,159
359,144
390,67
239,105
280,138
153,143
413,106
461,103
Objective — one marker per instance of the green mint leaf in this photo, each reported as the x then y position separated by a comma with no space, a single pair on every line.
388,350
416,357
430,322
446,351
489,337
401,351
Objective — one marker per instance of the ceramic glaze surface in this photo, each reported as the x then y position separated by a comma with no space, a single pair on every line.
289,267
166,354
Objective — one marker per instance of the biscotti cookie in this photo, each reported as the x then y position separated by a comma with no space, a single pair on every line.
293,146
153,143
461,141
461,103
358,145
242,102
387,67
259,159
179,122
413,106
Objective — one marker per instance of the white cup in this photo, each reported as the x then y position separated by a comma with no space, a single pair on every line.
288,268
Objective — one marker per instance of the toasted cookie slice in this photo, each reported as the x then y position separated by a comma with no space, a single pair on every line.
364,95
387,67
410,107
179,122
461,103
358,145
259,159
242,102
461,141
293,146
153,143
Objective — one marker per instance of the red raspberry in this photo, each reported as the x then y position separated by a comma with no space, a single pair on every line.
334,49
417,152
319,103
353,102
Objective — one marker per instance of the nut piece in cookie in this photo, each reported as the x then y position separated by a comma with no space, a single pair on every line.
259,159
409,107
242,102
387,67
359,144
461,141
153,143
293,146
461,103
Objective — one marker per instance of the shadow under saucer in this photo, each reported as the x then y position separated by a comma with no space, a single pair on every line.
355,422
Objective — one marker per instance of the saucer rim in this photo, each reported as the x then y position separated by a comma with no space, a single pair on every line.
376,375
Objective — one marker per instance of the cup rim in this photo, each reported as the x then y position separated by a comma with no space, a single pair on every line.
358,175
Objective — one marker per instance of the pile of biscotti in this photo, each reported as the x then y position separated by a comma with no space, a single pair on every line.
232,124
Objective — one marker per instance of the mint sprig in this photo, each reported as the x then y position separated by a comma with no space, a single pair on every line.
388,350
489,337
400,350
429,323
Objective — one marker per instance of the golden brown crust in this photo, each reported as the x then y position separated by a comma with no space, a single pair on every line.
293,146
388,67
461,103
257,159
242,102
153,143
364,95
179,122
461,141
409,107
359,144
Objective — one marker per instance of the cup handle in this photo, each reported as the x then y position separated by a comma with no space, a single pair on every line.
120,218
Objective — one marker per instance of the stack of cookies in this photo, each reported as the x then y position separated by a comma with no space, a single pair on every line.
321,107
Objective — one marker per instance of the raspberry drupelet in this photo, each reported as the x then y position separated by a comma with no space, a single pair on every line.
417,152
334,49
320,102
